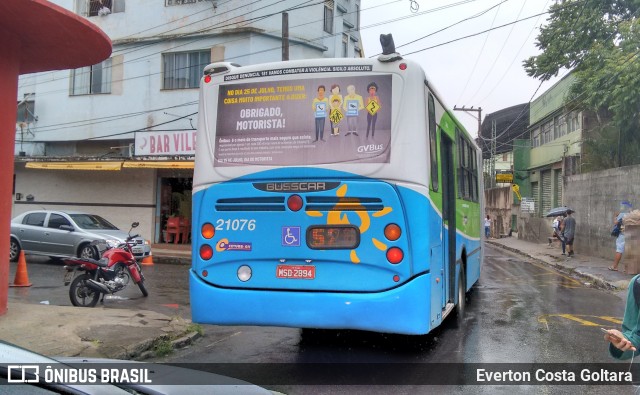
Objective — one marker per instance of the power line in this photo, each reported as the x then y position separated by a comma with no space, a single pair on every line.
484,43
495,58
502,75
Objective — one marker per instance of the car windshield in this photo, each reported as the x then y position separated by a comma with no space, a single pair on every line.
89,221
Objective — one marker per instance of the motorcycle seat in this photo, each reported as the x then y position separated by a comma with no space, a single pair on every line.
103,262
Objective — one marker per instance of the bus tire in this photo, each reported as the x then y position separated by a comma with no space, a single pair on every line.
462,298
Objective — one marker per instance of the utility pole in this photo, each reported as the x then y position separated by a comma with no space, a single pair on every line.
492,173
471,109
285,36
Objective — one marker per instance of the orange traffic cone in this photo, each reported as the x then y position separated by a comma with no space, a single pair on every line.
147,260
22,278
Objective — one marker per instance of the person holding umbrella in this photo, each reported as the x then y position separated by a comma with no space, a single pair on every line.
569,232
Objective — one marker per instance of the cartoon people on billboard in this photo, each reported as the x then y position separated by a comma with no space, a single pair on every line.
372,106
352,105
320,107
335,101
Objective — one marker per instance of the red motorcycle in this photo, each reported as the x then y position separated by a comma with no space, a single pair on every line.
108,275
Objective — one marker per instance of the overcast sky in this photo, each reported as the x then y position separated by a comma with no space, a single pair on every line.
482,71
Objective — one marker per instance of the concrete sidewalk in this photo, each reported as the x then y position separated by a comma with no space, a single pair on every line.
592,269
92,332
99,332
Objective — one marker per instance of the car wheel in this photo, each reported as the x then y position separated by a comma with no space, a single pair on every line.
87,251
14,250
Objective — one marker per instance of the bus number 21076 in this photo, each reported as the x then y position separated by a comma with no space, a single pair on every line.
236,224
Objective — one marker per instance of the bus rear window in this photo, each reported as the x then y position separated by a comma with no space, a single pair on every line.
301,122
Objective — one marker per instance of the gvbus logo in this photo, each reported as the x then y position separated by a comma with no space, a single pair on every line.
370,149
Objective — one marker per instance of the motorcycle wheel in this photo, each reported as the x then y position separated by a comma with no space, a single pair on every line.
143,289
80,294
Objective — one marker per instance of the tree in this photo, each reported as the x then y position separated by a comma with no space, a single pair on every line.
599,40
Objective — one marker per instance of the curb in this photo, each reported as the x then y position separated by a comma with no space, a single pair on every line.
172,260
145,349
595,280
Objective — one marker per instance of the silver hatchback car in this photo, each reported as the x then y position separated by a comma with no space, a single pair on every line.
61,234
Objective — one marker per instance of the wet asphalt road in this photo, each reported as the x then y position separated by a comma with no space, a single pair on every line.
519,312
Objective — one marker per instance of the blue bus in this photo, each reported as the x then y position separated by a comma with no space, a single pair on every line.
332,193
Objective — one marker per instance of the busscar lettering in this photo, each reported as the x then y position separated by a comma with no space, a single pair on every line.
296,186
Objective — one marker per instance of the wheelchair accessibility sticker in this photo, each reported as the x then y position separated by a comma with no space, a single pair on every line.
291,236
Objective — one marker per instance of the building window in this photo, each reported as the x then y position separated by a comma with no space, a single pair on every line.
560,126
573,122
99,7
345,45
535,138
183,70
26,111
546,132
328,16
92,79
357,52
357,16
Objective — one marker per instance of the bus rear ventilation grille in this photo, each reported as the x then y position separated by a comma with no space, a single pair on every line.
330,203
272,203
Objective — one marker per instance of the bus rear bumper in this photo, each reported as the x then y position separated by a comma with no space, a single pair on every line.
403,310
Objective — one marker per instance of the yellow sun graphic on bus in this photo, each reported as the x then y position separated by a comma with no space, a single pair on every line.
339,217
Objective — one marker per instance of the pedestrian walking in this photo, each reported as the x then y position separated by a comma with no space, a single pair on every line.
557,232
569,232
487,227
625,208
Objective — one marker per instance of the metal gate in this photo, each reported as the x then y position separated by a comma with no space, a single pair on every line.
546,192
558,188
535,189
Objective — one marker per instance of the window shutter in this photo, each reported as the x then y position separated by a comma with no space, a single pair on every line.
118,5
546,192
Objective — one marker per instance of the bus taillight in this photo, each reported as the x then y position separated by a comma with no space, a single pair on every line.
208,231
394,255
207,79
206,252
392,232
294,202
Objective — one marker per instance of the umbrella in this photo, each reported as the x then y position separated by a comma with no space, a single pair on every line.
558,211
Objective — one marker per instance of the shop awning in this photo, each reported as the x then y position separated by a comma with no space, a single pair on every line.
75,165
159,164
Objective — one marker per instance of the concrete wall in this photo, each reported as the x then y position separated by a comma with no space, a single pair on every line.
534,229
498,202
596,199
121,197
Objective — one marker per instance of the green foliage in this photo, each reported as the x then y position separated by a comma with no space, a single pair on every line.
600,41
162,348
